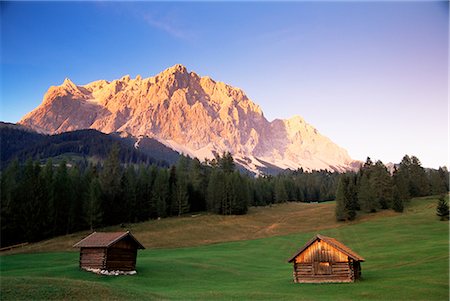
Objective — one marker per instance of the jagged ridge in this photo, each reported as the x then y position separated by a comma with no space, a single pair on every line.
191,114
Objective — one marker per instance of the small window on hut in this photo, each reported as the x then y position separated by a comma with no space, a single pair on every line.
322,268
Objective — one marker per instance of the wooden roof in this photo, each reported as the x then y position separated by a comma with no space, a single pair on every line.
333,242
105,240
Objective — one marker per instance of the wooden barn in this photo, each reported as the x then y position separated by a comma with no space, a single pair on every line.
324,259
109,251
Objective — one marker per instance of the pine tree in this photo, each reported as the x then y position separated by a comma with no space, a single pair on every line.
341,198
179,187
110,182
216,192
46,198
92,206
239,194
10,215
281,194
129,195
442,209
397,201
226,162
61,199
419,184
382,185
199,181
160,193
351,197
366,195
401,190
437,182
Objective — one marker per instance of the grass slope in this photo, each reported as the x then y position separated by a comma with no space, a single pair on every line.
201,229
406,259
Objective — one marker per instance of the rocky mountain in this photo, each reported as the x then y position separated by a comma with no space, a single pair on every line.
191,114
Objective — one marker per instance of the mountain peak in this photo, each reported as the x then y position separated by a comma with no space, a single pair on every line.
68,83
178,68
195,115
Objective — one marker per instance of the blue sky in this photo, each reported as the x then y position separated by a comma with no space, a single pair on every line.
372,76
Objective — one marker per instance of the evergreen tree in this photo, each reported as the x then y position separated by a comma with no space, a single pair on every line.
61,199
351,197
199,182
341,198
129,194
382,185
397,201
401,190
366,195
226,162
10,215
281,194
444,175
442,209
93,206
180,203
238,194
160,193
110,182
216,192
143,194
419,185
47,198
437,182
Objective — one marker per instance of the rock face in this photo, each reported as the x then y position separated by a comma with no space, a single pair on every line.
191,114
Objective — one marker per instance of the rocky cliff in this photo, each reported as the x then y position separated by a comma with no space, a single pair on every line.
192,114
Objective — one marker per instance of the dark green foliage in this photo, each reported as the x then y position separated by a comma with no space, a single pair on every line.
341,198
346,197
110,182
438,180
93,207
378,189
161,193
39,202
22,144
366,195
442,209
280,192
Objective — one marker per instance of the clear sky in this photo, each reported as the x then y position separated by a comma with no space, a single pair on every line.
372,76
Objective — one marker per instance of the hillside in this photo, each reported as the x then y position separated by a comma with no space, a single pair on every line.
22,143
191,114
406,259
201,229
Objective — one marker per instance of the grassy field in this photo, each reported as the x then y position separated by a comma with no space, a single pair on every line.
407,258
201,229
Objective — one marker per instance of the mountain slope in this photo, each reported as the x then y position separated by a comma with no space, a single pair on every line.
194,115
21,143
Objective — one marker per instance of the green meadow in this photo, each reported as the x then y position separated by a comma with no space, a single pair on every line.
407,258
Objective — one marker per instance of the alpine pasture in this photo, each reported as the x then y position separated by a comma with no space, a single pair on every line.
407,258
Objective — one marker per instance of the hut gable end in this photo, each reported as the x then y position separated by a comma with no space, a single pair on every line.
324,259
332,243
109,251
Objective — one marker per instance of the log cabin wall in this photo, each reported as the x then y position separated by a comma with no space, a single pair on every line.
121,259
122,256
321,262
94,258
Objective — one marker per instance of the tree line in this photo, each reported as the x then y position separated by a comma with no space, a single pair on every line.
43,201
374,188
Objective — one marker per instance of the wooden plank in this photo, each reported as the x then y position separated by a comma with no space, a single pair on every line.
13,247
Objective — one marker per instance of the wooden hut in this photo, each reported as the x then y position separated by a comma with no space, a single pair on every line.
109,251
324,259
